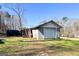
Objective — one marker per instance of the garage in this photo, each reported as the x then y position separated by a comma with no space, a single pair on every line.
47,30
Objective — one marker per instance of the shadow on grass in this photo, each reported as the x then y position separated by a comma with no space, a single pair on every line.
1,42
61,47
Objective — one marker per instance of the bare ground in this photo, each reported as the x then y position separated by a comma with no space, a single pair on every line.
39,49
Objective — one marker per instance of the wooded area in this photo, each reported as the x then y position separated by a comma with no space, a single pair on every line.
70,27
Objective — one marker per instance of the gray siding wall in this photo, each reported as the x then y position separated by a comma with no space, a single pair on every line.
40,33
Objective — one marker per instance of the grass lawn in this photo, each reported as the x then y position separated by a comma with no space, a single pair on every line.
15,46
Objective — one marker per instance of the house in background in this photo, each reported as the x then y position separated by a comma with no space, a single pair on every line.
47,30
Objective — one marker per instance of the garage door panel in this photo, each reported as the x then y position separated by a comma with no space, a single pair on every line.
49,32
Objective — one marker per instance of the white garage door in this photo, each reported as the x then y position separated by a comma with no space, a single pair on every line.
50,33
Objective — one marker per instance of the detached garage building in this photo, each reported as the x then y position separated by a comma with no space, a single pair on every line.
46,30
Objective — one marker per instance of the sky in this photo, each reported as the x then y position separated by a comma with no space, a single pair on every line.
34,13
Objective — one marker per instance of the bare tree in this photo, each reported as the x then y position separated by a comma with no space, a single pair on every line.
65,19
64,24
18,10
70,27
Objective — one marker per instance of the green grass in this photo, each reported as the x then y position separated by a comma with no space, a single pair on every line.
11,45
18,38
14,46
64,47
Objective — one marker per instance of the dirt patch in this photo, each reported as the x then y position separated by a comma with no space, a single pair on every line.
37,49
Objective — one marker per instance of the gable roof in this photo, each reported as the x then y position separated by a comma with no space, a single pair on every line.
46,23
